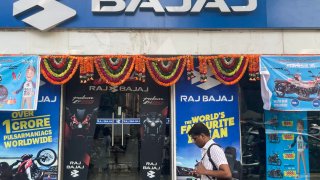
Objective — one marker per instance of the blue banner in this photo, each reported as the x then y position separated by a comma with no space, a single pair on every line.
30,138
165,14
19,82
214,104
287,145
290,83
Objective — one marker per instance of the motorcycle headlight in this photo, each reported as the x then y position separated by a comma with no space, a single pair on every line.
79,125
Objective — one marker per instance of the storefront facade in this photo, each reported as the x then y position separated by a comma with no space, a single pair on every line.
154,29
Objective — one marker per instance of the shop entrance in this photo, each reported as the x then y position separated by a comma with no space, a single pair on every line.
115,152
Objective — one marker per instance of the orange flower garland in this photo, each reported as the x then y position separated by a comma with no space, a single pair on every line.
203,68
253,68
166,71
140,69
86,69
114,70
228,69
58,69
190,68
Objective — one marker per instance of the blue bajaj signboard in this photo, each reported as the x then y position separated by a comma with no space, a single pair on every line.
287,152
290,83
19,82
159,14
133,14
29,139
214,104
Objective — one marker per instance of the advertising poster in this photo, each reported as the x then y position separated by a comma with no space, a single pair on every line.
19,82
29,139
214,104
80,122
287,145
154,112
290,83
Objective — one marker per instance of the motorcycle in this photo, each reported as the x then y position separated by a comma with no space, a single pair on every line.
253,149
274,159
273,138
275,173
27,168
295,85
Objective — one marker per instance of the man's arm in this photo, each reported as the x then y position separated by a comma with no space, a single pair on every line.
223,172
294,141
18,91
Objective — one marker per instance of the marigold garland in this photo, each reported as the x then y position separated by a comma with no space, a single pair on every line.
203,68
139,69
115,70
86,69
190,68
59,69
166,71
253,68
228,69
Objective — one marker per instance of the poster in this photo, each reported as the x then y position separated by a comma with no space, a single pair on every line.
19,82
290,83
154,112
214,104
30,138
80,122
287,145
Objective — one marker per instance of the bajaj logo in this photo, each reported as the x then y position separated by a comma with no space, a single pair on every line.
53,13
150,174
210,83
74,173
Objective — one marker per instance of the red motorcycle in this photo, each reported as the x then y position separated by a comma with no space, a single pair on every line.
27,168
295,85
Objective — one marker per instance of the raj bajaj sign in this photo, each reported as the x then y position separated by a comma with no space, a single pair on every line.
290,83
287,145
214,104
19,82
29,139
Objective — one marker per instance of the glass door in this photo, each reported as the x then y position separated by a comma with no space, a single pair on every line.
115,151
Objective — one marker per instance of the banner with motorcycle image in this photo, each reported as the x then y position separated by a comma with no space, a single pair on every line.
290,83
80,122
287,153
19,82
214,104
30,139
154,112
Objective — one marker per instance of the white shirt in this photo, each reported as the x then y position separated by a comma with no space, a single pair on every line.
217,155
27,89
300,143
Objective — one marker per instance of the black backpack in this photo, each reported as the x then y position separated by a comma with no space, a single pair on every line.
230,153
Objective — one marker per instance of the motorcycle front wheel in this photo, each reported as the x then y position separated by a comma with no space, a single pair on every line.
46,157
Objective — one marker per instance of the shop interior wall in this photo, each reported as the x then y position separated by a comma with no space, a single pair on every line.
160,42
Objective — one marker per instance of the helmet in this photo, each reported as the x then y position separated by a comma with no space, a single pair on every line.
26,157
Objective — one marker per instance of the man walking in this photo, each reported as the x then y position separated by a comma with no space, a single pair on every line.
213,164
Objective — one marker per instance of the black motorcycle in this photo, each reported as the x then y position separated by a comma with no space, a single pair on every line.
275,173
274,159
